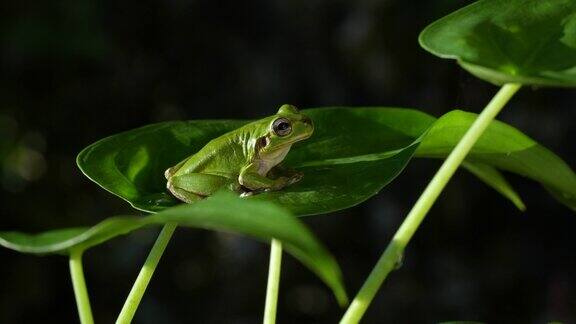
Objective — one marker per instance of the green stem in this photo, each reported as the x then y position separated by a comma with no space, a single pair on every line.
139,287
79,284
393,253
273,282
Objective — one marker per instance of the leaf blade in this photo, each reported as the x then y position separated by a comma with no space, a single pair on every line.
503,147
393,131
222,212
493,178
515,41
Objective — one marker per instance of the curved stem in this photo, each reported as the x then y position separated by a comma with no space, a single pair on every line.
79,284
141,283
393,253
273,282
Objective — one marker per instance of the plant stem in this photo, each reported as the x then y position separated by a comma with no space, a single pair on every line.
79,284
273,282
139,287
393,253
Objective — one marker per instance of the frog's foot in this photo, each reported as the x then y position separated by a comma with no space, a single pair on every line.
284,182
292,176
247,194
295,177
186,196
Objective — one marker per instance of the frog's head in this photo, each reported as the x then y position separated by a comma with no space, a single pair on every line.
285,128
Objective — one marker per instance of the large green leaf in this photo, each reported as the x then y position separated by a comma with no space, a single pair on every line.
351,156
503,147
224,212
521,41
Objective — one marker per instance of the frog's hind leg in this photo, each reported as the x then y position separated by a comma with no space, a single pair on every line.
186,196
195,186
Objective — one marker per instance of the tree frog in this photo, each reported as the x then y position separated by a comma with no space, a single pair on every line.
246,160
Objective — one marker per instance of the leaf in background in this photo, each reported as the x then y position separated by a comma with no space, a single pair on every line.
493,178
520,41
223,212
352,155
506,148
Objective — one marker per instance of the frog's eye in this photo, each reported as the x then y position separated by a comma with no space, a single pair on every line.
282,127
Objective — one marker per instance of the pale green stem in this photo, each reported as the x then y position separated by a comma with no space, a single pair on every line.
273,282
393,253
79,284
139,287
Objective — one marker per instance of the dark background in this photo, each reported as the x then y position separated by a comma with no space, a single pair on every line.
74,71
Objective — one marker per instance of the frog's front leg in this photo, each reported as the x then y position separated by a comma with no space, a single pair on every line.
251,178
195,186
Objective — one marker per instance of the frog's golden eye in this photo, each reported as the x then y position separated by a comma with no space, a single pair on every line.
282,127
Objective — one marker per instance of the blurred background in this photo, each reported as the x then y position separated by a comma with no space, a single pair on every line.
74,71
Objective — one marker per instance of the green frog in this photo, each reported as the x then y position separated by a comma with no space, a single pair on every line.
246,160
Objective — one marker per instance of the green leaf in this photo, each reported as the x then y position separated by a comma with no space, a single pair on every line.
503,147
493,178
352,155
224,212
514,41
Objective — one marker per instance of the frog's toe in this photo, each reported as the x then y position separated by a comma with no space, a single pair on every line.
296,177
247,194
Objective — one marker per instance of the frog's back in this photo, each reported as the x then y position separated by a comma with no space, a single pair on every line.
225,156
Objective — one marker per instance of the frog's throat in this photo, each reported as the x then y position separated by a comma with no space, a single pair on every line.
269,160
